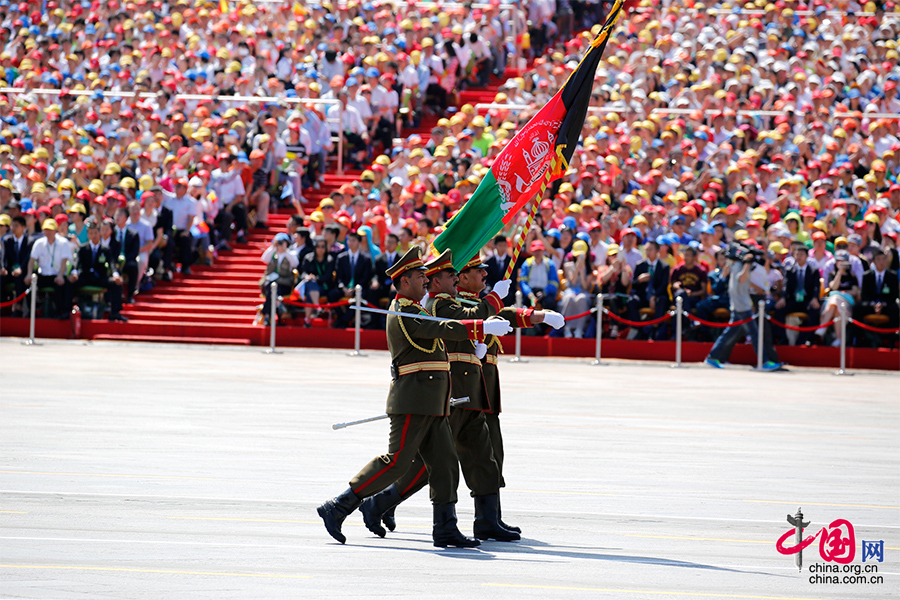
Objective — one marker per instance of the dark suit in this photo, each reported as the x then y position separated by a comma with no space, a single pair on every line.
797,296
126,257
14,258
496,271
657,287
113,290
349,277
382,264
887,294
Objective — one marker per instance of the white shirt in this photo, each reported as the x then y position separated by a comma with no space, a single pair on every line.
270,252
50,256
143,230
184,209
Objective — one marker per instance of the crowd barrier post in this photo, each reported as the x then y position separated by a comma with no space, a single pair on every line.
760,342
31,317
358,322
596,360
518,356
273,293
844,317
679,303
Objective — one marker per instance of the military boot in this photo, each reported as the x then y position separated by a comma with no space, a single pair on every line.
388,519
500,518
333,512
445,532
487,526
374,508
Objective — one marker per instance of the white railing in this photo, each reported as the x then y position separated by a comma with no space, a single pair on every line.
335,137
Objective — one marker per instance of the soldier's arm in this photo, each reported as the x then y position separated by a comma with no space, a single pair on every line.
445,330
521,317
451,309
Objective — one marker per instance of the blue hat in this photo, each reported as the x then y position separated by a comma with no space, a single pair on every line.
372,72
570,222
28,143
853,93
717,224
707,229
389,31
602,136
656,143
677,219
584,237
25,204
701,135
554,233
352,81
282,237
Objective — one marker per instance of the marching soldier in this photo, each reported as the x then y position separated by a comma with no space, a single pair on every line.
475,443
418,404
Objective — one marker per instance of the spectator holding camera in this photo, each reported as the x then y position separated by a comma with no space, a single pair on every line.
741,264
280,265
843,294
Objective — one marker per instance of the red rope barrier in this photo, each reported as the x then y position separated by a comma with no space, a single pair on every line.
579,315
804,328
332,305
721,325
649,323
868,327
14,300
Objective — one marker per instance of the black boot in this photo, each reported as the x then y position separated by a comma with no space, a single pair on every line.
445,532
500,518
374,508
487,526
333,512
388,519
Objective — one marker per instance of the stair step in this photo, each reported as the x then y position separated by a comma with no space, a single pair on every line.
191,317
197,298
152,307
250,291
172,339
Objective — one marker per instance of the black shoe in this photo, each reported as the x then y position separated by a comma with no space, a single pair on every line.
167,276
445,532
186,270
487,526
129,301
241,239
374,507
117,317
262,226
333,512
500,519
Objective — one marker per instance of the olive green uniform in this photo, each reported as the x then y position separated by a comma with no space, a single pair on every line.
473,442
418,404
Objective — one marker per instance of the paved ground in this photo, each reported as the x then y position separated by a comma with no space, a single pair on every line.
141,471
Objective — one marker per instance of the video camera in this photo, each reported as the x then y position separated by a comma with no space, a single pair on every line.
745,254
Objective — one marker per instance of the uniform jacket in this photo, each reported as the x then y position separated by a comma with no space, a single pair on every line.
809,286
11,258
465,368
420,369
94,270
887,293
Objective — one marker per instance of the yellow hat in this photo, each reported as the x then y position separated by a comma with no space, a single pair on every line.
146,182
128,183
777,248
77,208
872,218
317,217
96,187
566,187
38,188
5,220
579,248
574,208
741,234
613,249
49,224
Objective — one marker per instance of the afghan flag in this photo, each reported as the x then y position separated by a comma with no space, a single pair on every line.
537,155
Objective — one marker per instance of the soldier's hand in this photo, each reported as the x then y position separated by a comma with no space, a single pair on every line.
497,327
501,288
480,350
554,319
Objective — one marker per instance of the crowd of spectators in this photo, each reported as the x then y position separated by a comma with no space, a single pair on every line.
773,124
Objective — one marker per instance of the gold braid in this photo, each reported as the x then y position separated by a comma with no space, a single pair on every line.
403,303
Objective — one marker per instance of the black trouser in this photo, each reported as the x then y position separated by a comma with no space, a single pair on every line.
19,286
385,131
181,239
154,260
130,271
223,224
91,280
283,290
635,304
475,451
62,294
812,319
436,97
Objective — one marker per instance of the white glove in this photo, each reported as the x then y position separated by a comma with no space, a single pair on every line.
480,350
497,327
554,319
501,288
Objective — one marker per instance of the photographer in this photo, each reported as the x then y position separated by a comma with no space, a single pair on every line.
741,262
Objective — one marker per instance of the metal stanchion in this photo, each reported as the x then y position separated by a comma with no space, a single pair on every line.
518,356
357,323
679,303
273,293
761,309
33,291
844,317
596,360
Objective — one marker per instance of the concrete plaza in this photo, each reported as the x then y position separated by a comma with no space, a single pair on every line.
169,471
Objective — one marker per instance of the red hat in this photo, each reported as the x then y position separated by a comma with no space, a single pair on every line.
627,231
61,218
418,188
546,204
435,204
732,209
55,202
818,235
536,245
43,209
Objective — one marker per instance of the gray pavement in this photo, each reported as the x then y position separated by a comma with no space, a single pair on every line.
166,471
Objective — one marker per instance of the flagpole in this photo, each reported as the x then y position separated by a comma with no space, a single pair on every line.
536,204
